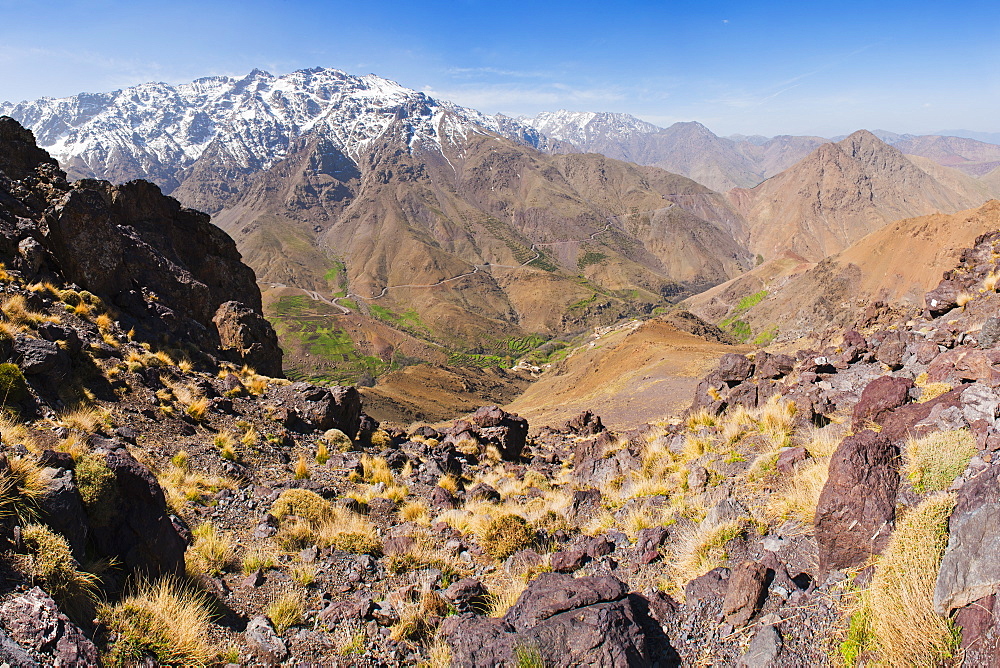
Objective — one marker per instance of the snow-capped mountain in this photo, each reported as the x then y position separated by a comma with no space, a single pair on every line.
583,127
156,131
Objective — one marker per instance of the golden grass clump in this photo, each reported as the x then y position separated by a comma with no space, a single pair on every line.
701,549
212,552
322,453
258,558
307,518
933,462
963,299
84,418
381,439
182,486
286,611
301,468
50,563
798,493
15,308
702,418
376,470
22,485
895,617
504,535
991,281
415,511
165,618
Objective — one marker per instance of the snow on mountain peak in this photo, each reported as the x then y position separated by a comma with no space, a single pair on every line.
155,130
581,127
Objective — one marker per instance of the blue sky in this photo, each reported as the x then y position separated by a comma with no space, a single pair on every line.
740,67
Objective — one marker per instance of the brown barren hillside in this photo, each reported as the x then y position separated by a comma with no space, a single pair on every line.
634,373
896,264
838,194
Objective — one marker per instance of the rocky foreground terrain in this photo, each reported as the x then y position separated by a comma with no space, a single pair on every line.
168,499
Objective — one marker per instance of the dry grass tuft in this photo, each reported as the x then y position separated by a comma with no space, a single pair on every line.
286,611
701,549
84,418
307,518
258,558
933,462
895,617
211,553
167,619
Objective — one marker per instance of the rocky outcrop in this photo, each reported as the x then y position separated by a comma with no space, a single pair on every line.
245,336
33,620
166,268
564,621
136,529
303,407
969,569
857,508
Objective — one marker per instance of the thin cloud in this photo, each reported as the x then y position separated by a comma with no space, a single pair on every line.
514,99
471,72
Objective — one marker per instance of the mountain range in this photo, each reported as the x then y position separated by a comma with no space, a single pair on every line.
386,225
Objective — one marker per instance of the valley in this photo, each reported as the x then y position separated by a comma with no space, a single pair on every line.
332,371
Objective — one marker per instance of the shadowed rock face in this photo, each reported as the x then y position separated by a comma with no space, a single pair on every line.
167,268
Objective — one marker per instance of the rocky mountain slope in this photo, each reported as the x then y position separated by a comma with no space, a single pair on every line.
404,212
840,193
788,299
687,148
242,519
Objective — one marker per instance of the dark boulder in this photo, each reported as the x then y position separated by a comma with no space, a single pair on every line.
312,408
139,533
508,432
245,337
584,424
878,398
857,507
943,298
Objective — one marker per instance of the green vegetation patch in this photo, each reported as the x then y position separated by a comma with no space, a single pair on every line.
739,328
320,351
589,258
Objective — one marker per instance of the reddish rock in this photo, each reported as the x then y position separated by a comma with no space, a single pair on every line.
584,424
734,368
943,298
857,508
712,584
878,398
35,622
789,458
745,593
508,432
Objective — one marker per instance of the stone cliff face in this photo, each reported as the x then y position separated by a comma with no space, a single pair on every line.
167,268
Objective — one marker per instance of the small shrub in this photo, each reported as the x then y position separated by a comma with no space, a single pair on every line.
381,439
505,535
285,611
13,387
51,564
166,619
311,519
322,453
302,503
98,489
338,440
